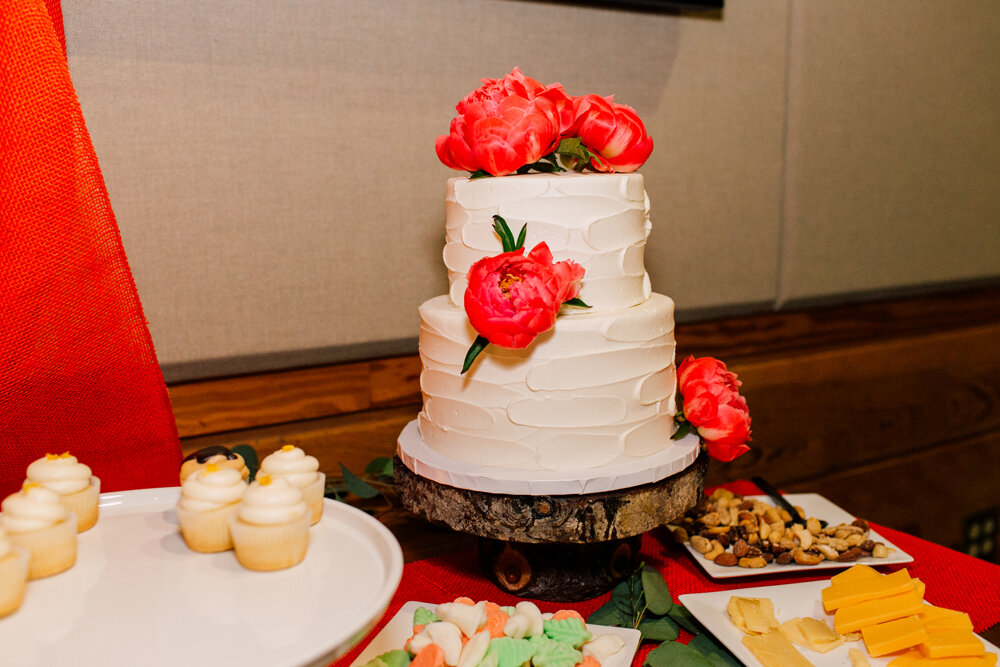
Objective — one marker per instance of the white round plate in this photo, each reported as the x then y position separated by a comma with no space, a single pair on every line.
138,596
623,474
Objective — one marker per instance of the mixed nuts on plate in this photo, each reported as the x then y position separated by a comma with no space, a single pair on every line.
735,531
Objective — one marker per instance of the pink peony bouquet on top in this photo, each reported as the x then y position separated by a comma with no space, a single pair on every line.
517,125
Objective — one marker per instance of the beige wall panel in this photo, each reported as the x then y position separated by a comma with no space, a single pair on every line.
893,146
271,164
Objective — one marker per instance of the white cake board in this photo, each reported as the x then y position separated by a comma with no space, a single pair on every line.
625,474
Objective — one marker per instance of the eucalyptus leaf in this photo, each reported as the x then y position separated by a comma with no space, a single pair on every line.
356,485
477,346
610,614
715,652
675,654
683,618
380,467
627,597
658,628
249,455
655,590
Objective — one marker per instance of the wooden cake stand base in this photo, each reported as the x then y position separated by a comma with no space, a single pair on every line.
559,548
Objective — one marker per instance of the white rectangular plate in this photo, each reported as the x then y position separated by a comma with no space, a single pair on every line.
790,601
815,505
400,627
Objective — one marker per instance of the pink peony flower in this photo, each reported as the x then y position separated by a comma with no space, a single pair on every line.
511,298
713,406
613,131
505,124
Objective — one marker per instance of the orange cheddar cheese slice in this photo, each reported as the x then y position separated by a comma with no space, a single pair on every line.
893,636
952,644
853,617
869,588
957,621
987,660
907,659
854,573
920,587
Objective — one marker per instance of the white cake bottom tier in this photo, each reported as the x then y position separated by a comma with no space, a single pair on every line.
596,389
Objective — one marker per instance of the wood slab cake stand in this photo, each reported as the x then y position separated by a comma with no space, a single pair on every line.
561,548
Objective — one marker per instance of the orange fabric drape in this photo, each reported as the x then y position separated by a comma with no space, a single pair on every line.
77,367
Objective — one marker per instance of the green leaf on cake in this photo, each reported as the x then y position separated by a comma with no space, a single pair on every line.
479,173
506,236
683,428
380,467
477,346
249,455
356,485
575,301
655,590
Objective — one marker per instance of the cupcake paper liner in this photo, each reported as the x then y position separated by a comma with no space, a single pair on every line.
270,547
83,504
207,532
13,580
312,493
52,550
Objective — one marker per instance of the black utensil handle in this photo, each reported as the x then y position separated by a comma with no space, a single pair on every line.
769,489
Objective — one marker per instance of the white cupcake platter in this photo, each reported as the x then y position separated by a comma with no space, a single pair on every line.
138,596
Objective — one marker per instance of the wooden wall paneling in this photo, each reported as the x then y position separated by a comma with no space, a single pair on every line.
353,439
228,404
830,411
927,493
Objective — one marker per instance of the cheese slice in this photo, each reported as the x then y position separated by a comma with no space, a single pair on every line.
987,660
854,573
811,633
858,658
952,644
894,635
907,659
957,621
853,617
753,615
852,592
774,650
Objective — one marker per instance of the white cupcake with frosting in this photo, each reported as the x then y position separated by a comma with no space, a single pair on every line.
293,464
270,528
13,575
79,490
36,521
208,498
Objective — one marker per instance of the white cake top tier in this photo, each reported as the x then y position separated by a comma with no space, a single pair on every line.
600,221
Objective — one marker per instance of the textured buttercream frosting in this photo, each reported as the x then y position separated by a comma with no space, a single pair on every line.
600,221
31,509
270,501
595,388
61,473
598,389
293,464
210,488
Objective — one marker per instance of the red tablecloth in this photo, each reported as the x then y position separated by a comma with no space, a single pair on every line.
953,579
